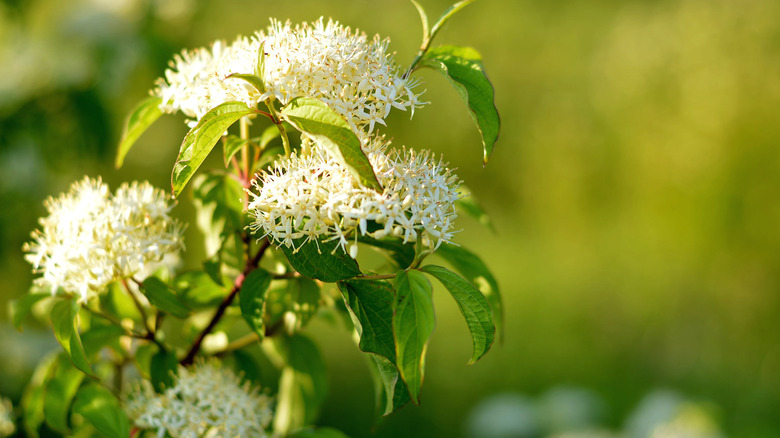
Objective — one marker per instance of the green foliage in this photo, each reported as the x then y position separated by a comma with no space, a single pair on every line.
370,304
65,323
197,290
32,400
252,299
142,116
231,145
413,323
302,386
21,307
163,369
463,67
101,335
331,131
469,205
473,306
59,393
201,140
477,273
320,260
319,432
102,410
163,297
402,254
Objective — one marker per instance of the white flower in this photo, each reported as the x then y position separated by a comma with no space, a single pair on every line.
355,76
206,400
314,197
92,238
197,80
7,427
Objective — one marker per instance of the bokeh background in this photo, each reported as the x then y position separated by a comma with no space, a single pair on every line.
634,195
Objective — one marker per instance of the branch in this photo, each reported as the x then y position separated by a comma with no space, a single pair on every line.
250,266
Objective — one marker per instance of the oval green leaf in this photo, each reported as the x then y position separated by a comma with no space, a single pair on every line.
63,318
477,273
102,410
201,140
370,304
142,116
163,368
163,298
463,67
413,323
473,305
331,131
323,261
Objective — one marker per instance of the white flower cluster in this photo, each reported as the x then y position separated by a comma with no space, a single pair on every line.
355,76
92,238
7,427
206,401
314,196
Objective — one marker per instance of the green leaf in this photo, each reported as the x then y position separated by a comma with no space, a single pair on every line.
319,432
391,390
463,67
231,146
117,302
163,369
252,80
324,261
163,298
247,366
370,304
197,290
140,119
413,323
303,385
99,336
473,305
59,394
220,208
447,14
469,205
22,306
477,273
201,140
63,317
402,254
102,410
331,131
423,20
304,300
32,399
252,299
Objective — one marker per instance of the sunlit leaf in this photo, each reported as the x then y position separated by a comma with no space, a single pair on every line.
473,305
463,67
324,261
22,306
391,390
64,321
163,298
140,119
102,410
303,385
32,399
99,336
231,146
201,140
197,290
331,131
477,273
402,254
413,323
59,394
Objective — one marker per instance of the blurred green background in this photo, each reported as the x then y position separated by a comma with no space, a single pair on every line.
633,190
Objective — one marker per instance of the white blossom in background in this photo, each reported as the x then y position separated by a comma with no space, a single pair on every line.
206,401
7,427
91,238
355,76
314,196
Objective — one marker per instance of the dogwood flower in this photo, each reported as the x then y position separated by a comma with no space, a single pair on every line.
205,401
355,76
91,238
314,197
